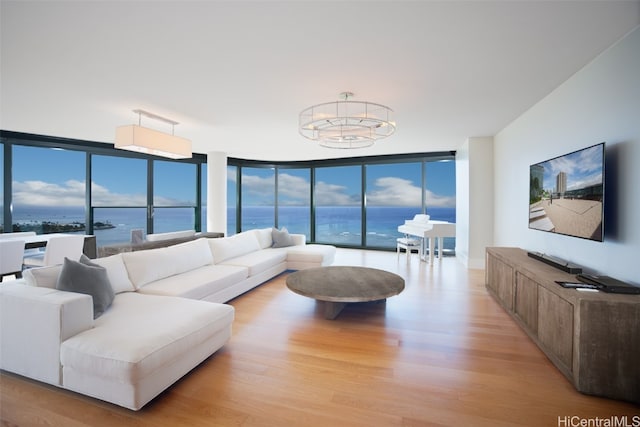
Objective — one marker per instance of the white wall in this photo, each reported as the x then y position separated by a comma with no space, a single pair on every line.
474,200
599,103
217,192
462,203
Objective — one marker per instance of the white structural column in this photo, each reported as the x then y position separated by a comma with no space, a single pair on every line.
474,200
217,192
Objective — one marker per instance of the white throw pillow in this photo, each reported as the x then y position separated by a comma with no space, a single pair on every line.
190,255
230,247
117,273
264,237
42,277
148,266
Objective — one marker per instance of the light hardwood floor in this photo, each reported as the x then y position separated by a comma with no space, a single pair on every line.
442,353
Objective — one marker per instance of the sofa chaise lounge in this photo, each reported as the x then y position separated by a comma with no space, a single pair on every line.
167,315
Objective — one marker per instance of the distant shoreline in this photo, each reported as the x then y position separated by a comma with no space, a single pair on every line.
48,227
338,224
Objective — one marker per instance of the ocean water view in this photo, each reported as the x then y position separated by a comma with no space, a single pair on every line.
341,225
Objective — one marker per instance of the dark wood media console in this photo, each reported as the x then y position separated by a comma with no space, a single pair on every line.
593,338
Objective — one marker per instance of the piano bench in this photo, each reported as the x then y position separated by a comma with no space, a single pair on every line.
407,244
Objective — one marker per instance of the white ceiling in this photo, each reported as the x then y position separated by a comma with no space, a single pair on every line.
236,74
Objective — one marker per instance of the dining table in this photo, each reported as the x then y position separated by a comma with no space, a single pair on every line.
40,241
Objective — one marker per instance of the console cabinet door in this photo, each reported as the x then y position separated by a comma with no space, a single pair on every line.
555,328
500,280
526,301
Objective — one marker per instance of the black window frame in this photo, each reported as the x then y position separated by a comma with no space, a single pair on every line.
10,139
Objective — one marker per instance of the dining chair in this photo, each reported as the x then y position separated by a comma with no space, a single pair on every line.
58,247
11,254
22,234
17,234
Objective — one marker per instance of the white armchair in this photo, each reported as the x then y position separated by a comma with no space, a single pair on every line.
58,247
11,254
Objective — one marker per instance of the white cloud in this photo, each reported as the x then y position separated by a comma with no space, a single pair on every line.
334,195
258,186
101,196
40,193
71,193
293,190
439,201
393,191
387,191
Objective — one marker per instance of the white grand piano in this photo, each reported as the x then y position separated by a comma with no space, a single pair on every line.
425,228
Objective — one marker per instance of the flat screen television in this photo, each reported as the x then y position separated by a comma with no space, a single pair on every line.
566,194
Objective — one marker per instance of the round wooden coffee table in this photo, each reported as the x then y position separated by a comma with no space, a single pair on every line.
338,285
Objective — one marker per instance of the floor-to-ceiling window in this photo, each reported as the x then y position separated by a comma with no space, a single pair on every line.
393,194
294,200
440,194
357,202
48,190
46,186
353,202
258,197
174,196
119,200
338,205
232,199
203,195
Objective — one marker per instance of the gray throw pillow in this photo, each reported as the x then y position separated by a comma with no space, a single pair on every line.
281,238
86,261
87,278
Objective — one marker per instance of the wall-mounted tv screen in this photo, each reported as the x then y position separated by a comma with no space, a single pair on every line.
566,194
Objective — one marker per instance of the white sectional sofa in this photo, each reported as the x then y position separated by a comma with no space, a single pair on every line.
166,317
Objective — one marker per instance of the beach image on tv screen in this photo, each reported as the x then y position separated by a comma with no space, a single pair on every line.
566,194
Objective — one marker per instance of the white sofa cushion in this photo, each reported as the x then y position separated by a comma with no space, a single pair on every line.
234,246
198,283
117,273
42,277
264,237
35,320
320,254
148,266
259,261
190,255
140,334
298,239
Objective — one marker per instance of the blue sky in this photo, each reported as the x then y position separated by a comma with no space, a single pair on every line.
583,168
44,177
395,184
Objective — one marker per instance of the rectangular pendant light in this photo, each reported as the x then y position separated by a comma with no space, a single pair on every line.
149,141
